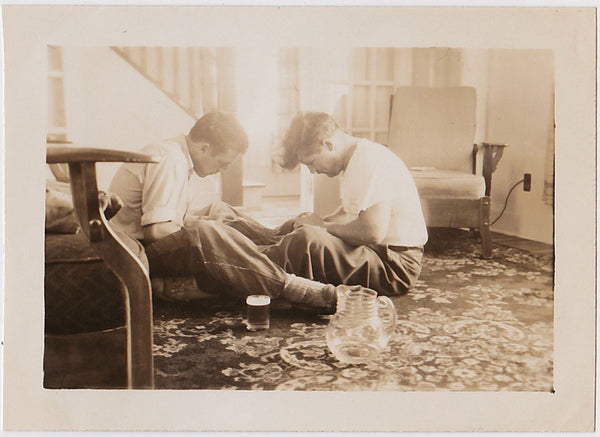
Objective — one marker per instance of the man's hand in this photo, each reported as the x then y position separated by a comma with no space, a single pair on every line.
308,218
305,218
110,203
370,227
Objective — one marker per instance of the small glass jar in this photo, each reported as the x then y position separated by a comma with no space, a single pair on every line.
362,325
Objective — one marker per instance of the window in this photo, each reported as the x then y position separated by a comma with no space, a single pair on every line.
57,126
288,96
363,110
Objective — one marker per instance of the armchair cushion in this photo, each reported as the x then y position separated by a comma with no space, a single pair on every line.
81,293
60,216
434,126
447,184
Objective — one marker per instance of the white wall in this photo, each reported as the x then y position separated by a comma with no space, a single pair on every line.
111,105
521,114
256,95
475,73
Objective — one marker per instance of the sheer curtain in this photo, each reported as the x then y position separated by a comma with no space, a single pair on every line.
288,98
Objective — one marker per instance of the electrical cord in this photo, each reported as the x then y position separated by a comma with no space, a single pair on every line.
506,201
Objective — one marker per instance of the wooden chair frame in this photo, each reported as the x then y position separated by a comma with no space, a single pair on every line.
468,213
115,254
448,212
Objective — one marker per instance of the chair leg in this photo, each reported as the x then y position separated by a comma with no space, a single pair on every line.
128,268
139,308
484,228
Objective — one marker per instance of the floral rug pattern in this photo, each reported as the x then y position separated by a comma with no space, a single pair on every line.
469,325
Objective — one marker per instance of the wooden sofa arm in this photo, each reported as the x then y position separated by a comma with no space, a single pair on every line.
492,153
82,171
61,154
116,255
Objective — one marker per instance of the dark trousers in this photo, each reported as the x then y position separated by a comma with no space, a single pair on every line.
314,253
224,248
221,258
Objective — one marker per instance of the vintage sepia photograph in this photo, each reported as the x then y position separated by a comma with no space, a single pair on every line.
393,206
289,218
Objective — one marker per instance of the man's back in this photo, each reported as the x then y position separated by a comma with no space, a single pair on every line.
375,174
154,193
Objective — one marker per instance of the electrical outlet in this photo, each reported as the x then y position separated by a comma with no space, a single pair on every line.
527,182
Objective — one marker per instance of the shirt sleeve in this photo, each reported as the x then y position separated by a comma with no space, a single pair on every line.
365,185
163,188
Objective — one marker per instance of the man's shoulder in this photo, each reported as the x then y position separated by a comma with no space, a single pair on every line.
169,146
378,153
169,150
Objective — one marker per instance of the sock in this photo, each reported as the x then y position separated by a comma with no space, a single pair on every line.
309,292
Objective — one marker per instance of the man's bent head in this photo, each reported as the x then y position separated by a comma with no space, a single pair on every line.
307,136
215,141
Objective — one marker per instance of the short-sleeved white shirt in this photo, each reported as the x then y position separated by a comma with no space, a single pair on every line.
154,193
375,174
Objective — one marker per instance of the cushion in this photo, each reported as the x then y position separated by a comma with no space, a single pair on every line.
434,126
60,217
60,213
81,294
447,184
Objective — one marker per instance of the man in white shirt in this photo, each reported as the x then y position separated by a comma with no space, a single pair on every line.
156,198
375,239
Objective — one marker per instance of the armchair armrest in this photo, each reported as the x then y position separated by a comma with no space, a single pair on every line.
492,153
71,154
116,255
84,188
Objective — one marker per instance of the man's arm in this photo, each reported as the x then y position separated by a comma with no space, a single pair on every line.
156,231
370,227
161,195
339,216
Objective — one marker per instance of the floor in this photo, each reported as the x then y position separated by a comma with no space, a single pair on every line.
275,210
535,247
469,324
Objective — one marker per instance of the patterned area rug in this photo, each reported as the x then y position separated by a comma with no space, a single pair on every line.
469,325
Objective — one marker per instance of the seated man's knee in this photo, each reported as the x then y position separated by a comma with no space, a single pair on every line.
309,235
219,204
220,210
203,226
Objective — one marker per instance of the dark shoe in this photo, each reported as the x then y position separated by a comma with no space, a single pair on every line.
331,309
316,311
320,310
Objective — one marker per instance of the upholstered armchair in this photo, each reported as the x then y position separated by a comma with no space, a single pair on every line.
432,130
98,301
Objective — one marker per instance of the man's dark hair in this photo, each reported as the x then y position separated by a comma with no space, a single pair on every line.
305,136
221,131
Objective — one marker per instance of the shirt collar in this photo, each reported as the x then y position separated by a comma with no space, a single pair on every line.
186,151
358,144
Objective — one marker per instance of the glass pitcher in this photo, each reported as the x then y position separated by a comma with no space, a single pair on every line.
362,325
